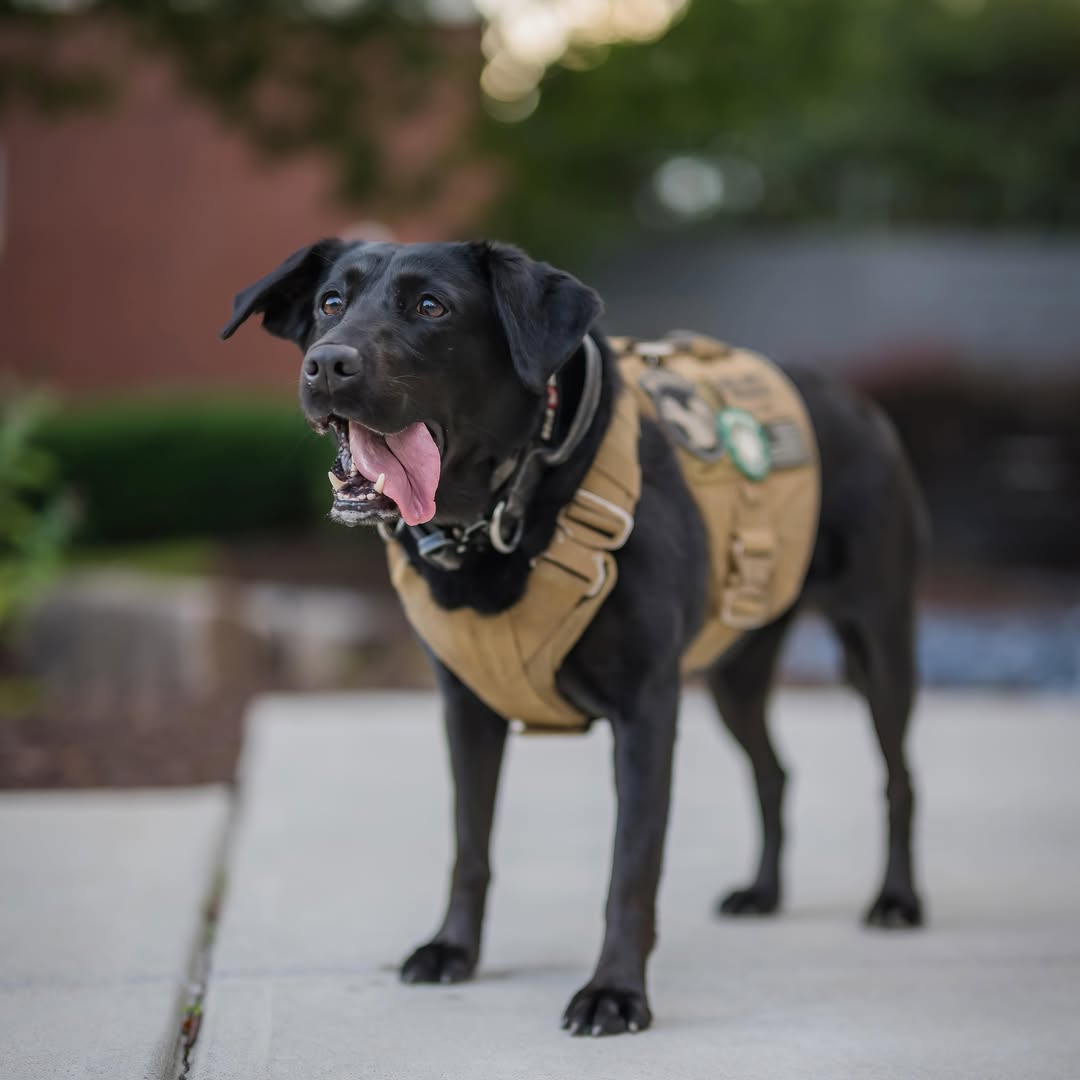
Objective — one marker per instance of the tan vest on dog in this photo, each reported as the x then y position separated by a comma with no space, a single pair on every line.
761,531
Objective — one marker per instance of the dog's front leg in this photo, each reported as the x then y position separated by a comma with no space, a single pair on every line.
476,737
614,999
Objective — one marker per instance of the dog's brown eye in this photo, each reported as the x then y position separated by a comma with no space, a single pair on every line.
431,307
332,304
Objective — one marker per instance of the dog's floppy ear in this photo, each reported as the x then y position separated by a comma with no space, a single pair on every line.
544,312
285,295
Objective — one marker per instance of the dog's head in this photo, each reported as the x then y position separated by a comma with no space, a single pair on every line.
427,360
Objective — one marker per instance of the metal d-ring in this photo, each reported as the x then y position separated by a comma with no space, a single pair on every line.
504,547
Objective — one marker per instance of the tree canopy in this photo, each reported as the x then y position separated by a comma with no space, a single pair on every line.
769,111
864,112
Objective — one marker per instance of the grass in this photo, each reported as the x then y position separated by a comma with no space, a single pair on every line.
168,558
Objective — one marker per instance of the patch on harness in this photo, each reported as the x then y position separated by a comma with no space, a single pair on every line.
688,418
788,448
695,426
746,441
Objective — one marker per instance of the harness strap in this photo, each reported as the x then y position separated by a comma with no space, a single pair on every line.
746,599
504,525
760,529
760,524
509,658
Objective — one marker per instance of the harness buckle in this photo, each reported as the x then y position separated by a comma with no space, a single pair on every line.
435,547
745,601
612,526
742,609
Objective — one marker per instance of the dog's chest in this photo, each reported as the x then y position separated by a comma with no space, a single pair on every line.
747,451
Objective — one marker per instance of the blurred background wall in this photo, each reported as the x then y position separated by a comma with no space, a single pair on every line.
883,188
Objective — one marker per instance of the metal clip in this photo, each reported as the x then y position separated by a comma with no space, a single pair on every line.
501,545
440,550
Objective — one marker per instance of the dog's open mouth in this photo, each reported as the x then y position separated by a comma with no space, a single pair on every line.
383,477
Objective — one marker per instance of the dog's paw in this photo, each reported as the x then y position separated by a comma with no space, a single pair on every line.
606,1010
756,900
895,909
437,962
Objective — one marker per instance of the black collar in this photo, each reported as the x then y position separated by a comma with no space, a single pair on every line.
503,526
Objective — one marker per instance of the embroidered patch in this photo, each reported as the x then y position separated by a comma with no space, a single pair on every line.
687,418
787,447
746,441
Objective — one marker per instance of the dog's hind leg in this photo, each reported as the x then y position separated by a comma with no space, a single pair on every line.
477,738
881,666
740,687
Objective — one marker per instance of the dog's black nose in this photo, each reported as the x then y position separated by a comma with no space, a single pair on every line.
331,365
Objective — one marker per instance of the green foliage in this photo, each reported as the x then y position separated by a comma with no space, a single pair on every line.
159,558
864,112
35,520
290,81
156,470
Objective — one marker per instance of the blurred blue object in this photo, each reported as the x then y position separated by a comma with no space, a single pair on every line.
1028,650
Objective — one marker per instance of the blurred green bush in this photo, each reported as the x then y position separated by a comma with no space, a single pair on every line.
35,513
155,469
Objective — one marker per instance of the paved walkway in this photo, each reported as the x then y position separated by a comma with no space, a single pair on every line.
101,900
338,864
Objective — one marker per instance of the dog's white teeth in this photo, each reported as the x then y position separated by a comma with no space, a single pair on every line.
370,496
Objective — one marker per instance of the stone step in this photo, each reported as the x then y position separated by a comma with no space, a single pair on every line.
103,639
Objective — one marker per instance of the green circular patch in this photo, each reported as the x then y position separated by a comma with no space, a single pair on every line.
746,442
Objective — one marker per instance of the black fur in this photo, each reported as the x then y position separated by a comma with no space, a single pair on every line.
476,377
544,313
284,295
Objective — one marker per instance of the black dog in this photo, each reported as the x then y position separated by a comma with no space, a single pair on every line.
448,349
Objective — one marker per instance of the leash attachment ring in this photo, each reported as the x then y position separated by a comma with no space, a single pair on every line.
495,531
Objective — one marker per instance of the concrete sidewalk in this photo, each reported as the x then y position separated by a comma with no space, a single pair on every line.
342,852
101,905
339,863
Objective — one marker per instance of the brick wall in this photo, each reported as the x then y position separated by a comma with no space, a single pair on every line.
127,230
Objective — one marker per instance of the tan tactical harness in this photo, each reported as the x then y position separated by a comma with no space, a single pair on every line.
761,531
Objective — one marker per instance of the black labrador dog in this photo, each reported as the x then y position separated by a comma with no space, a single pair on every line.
432,361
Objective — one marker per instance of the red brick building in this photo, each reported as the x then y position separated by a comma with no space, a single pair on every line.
126,230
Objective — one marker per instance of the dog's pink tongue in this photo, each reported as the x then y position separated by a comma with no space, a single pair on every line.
410,460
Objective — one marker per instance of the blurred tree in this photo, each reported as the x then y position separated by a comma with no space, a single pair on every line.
293,76
852,111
